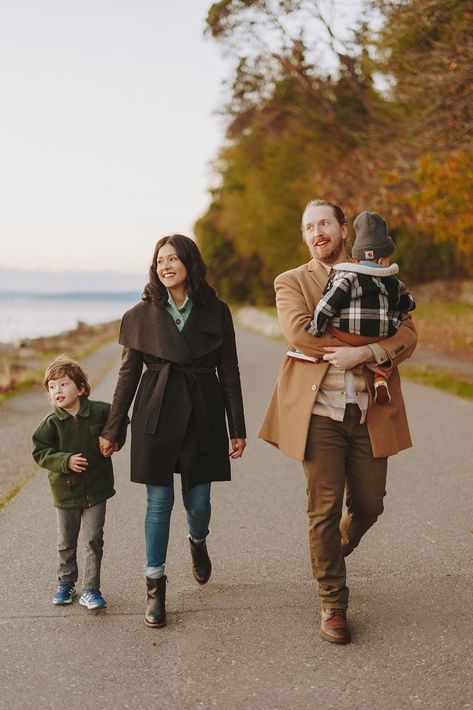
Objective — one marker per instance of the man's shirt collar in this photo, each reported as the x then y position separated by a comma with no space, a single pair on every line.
185,306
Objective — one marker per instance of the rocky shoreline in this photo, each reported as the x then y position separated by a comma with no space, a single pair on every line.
22,363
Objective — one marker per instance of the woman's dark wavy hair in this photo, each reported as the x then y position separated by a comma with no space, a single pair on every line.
197,288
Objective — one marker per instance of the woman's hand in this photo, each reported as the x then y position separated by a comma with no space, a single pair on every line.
238,446
346,357
77,463
107,448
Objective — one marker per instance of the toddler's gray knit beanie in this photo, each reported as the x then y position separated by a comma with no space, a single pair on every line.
372,239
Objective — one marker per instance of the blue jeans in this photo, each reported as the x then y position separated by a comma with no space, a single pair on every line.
158,518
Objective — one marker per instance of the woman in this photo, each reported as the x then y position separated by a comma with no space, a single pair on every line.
184,336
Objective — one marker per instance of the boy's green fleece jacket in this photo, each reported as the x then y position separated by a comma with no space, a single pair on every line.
61,435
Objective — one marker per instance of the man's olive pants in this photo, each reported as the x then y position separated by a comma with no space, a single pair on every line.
338,456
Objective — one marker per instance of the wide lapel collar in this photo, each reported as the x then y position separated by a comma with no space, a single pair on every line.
318,273
203,331
148,327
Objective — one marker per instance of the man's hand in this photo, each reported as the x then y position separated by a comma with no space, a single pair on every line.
346,357
107,448
238,446
77,463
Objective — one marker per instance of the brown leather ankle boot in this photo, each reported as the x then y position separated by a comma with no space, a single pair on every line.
201,564
334,626
155,616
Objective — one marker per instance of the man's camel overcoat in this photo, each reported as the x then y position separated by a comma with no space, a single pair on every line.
287,420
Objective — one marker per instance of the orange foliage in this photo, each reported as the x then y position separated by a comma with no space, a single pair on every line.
442,202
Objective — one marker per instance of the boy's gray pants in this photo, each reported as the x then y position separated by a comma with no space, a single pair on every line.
69,522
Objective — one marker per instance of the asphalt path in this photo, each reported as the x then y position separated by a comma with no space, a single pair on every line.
250,637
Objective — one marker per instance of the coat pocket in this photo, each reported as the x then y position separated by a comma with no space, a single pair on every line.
60,479
62,488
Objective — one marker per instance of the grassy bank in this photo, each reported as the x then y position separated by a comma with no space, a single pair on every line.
446,328
435,377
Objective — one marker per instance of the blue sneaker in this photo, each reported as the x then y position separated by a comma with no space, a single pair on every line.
64,594
92,599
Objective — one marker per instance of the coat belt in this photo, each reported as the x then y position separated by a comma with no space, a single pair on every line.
197,396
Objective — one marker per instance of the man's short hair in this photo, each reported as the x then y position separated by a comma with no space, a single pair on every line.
62,366
337,210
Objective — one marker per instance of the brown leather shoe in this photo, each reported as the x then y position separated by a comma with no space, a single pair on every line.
381,391
334,626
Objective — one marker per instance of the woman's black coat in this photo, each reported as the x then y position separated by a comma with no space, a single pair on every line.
178,421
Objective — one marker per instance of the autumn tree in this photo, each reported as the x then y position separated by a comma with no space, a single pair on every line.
359,121
425,50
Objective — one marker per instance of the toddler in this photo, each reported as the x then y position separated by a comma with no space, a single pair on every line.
363,301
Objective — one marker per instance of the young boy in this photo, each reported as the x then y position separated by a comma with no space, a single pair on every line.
362,302
81,479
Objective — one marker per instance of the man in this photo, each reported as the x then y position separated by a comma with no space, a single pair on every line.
322,413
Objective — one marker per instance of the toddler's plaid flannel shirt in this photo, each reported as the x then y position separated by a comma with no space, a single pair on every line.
362,305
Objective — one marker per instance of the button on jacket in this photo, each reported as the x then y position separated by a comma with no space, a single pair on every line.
61,435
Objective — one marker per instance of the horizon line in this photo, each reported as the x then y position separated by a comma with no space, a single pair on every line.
75,292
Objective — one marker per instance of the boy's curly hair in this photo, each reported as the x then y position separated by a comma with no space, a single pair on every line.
63,366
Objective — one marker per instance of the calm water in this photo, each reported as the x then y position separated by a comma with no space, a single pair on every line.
31,316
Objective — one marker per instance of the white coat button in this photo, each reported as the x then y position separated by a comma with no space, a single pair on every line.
314,387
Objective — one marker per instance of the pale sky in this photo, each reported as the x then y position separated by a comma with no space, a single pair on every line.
107,128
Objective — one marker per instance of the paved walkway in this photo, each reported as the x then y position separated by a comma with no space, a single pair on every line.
249,639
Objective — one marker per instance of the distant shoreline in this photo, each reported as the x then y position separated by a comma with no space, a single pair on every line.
69,295
31,315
